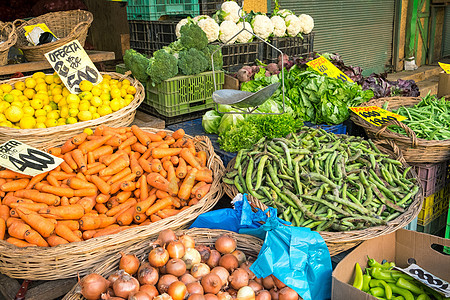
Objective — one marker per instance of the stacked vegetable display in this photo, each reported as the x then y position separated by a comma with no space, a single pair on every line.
324,181
179,269
109,181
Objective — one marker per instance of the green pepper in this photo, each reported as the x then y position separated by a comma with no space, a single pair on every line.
372,262
382,283
366,280
405,284
402,292
377,291
398,298
423,297
358,282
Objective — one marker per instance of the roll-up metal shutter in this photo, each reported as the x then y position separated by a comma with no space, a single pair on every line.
360,31
446,33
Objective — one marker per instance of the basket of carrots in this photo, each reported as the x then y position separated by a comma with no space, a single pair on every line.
114,189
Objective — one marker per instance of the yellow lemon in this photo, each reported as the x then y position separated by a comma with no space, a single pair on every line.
29,93
65,92
96,91
3,106
36,103
96,101
88,131
113,81
73,105
6,88
84,106
8,98
41,119
131,90
2,118
47,108
107,77
125,82
105,96
17,103
38,75
53,105
119,85
122,102
86,95
72,98
53,114
14,113
115,93
57,98
86,85
128,98
30,83
106,103
4,124
56,91
51,123
105,86
27,122
92,109
123,92
41,87
40,112
28,111
16,93
19,85
61,122
115,104
95,116
85,115
56,78
113,87
62,102
104,110
73,112
39,81
40,125
22,98
49,79
71,120
42,97
64,112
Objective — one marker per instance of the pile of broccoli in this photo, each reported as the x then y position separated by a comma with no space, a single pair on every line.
189,55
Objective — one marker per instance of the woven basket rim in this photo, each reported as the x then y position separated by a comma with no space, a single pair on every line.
57,14
12,36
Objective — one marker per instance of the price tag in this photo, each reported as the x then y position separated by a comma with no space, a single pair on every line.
325,67
376,115
427,278
23,159
445,67
73,65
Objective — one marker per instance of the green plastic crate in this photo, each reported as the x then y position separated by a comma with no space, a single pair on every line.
152,10
183,94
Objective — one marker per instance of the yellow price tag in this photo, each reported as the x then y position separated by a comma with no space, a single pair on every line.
325,67
23,159
376,115
445,67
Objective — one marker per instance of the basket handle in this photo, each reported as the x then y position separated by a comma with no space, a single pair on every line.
397,151
409,131
18,22
13,29
84,23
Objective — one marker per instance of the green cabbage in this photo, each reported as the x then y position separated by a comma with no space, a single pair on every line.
228,121
211,121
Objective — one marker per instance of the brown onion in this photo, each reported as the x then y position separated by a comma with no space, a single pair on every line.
129,263
150,290
211,297
255,286
225,244
93,285
164,296
211,283
274,294
246,266
240,256
196,297
195,288
222,273
204,252
177,290
164,282
125,286
287,293
187,241
109,296
278,283
147,274
213,260
176,267
223,296
199,270
238,279
258,280
245,293
268,282
176,249
140,296
263,295
165,237
229,262
114,276
191,257
158,257
188,278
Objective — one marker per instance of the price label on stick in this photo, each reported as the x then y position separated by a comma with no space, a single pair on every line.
73,65
445,67
23,159
325,67
427,278
376,115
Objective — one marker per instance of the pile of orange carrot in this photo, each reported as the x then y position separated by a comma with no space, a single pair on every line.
112,180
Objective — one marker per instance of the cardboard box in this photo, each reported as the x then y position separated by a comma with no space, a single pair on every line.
397,247
444,84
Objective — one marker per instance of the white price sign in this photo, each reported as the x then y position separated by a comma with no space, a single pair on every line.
23,159
73,65
427,278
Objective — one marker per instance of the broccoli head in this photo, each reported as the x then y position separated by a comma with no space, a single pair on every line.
192,36
163,65
137,63
218,59
192,62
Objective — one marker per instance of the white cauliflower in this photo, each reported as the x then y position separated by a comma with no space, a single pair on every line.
279,26
284,13
262,26
306,23
292,25
210,27
179,25
245,36
227,30
230,11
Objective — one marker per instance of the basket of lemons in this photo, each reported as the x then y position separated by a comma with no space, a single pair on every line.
39,110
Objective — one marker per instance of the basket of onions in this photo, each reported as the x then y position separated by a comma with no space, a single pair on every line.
197,264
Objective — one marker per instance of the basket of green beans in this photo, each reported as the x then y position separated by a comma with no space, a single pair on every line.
424,137
347,188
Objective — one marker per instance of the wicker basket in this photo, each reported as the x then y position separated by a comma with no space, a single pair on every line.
338,242
42,138
414,150
9,37
65,261
250,245
66,25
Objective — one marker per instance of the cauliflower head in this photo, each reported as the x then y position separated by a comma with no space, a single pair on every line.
227,30
230,11
179,25
306,23
292,25
279,26
245,36
210,27
262,26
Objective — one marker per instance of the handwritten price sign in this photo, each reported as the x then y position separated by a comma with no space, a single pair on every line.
325,67
445,67
73,65
427,278
376,115
21,158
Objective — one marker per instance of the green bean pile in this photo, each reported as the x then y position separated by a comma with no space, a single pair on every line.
324,181
429,119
